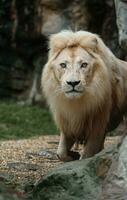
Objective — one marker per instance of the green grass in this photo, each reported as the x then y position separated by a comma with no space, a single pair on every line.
17,122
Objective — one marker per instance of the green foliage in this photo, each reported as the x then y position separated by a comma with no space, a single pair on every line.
18,121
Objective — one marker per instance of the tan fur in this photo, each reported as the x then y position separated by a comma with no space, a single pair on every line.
84,117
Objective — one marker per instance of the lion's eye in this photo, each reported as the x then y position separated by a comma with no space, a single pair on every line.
63,65
84,65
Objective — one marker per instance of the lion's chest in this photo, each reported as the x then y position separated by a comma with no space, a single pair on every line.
73,122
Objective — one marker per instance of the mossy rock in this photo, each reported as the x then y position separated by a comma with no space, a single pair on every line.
77,180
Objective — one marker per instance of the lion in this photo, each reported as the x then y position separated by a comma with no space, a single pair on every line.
85,86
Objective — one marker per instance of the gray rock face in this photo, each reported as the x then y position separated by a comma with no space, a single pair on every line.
78,180
8,193
115,185
103,177
122,165
121,13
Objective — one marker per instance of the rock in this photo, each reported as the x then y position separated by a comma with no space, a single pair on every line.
51,155
77,180
21,166
102,177
109,30
7,192
115,184
121,14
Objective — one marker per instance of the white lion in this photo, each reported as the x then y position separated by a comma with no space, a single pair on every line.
86,87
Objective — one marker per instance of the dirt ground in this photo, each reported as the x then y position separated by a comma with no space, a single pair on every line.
24,162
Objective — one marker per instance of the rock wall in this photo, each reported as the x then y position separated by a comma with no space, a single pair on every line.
121,13
24,30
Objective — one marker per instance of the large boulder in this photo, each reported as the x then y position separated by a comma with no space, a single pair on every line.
8,193
115,184
77,180
102,177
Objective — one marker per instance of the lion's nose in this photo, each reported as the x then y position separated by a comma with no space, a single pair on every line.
73,83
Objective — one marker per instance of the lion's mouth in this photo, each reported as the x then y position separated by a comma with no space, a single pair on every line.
73,91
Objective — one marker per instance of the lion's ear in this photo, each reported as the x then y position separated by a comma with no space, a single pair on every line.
94,44
55,45
91,42
59,41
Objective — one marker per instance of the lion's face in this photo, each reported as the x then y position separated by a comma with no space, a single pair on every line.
74,70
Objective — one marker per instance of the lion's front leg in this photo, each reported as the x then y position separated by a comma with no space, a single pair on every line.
64,148
96,133
92,147
95,141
